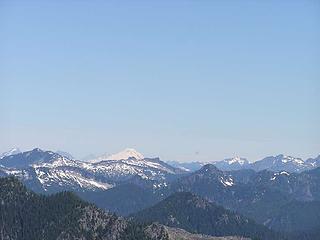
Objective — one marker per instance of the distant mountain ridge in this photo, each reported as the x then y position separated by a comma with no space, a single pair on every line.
261,196
281,162
271,163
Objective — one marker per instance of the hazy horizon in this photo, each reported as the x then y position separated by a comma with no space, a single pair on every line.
94,156
185,81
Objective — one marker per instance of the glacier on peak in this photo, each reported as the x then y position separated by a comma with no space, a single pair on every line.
123,155
230,164
236,159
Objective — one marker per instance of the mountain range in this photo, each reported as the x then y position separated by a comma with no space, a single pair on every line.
271,163
262,196
127,183
51,172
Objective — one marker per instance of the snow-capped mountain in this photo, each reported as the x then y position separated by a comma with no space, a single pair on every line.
54,172
123,155
129,162
25,159
126,154
147,168
272,163
50,171
277,163
47,170
281,162
12,151
231,164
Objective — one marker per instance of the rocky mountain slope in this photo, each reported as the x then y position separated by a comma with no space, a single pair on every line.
157,230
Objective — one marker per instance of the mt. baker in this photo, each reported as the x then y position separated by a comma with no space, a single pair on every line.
123,155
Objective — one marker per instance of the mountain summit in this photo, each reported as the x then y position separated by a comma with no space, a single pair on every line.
231,164
126,154
281,162
123,155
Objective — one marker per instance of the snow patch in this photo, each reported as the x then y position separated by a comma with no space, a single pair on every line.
275,175
227,182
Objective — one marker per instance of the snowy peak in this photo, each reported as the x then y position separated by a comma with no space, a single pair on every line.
25,159
123,155
231,164
289,159
236,160
13,151
281,162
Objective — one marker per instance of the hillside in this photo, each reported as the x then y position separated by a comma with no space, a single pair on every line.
196,215
25,215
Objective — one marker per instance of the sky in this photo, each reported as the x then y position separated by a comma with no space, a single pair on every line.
183,80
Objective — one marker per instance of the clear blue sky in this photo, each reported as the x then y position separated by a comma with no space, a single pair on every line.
185,80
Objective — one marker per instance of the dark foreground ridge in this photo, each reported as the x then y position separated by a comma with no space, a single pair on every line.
25,215
194,214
